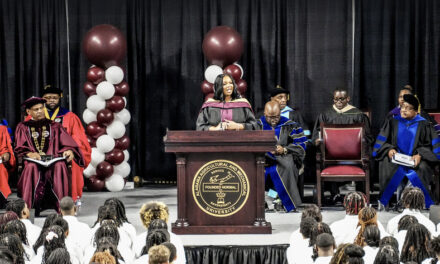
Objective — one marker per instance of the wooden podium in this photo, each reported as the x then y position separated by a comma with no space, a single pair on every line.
220,181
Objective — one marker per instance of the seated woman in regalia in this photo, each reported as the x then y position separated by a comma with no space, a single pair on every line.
227,110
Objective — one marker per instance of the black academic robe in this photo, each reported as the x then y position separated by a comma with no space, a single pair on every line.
352,116
408,137
283,170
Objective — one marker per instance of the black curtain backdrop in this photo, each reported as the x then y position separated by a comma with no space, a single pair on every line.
304,45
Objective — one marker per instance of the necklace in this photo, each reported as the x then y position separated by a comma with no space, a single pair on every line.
55,113
39,146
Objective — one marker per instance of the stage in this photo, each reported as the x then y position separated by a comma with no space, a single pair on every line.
283,224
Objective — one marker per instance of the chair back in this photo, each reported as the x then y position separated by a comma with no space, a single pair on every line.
436,116
342,142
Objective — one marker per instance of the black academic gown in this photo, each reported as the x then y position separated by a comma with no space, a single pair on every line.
408,137
283,169
352,116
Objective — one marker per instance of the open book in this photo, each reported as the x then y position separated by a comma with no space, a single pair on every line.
46,163
403,160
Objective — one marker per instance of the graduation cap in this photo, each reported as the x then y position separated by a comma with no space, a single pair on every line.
412,100
278,90
52,90
32,101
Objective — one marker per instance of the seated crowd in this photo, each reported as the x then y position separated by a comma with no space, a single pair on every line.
409,237
112,239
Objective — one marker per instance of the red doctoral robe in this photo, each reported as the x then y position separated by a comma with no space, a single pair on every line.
5,147
42,187
74,127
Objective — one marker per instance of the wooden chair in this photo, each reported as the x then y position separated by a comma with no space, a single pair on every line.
343,157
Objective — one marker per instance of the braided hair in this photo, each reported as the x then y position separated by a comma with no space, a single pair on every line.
413,198
313,211
415,247
18,228
108,212
153,210
367,216
6,256
59,256
13,243
406,222
155,238
389,240
372,236
354,202
434,246
104,245
120,208
348,253
158,224
47,223
107,229
53,239
387,254
317,229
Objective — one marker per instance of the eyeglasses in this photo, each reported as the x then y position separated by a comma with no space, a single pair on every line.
339,99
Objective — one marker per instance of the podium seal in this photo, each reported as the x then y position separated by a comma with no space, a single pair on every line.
220,188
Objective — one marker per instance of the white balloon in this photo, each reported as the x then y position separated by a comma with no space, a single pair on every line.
241,68
89,116
115,183
126,155
105,143
95,103
212,72
116,129
124,116
89,171
97,157
114,75
122,169
105,90
125,101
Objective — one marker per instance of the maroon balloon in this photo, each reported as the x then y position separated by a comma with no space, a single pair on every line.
104,170
234,71
242,87
122,89
115,157
116,103
209,96
94,184
105,117
122,143
104,45
95,130
89,89
222,46
95,75
92,141
207,87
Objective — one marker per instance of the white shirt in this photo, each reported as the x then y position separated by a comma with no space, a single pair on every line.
125,252
301,253
342,230
32,231
130,230
39,257
351,237
393,222
428,261
295,237
323,260
370,254
124,236
29,251
79,233
400,237
142,260
174,239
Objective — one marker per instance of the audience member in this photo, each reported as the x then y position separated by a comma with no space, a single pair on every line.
312,211
13,243
389,240
348,253
324,248
404,223
415,248
301,247
41,237
173,251
371,243
367,216
387,254
154,238
19,207
434,246
6,217
159,255
102,258
59,256
126,226
6,256
16,227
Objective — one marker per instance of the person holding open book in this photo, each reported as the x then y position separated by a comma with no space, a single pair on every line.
405,146
46,147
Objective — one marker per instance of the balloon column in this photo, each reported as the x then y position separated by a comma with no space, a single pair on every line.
106,115
222,47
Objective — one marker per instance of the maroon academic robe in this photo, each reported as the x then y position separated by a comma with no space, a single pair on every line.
41,187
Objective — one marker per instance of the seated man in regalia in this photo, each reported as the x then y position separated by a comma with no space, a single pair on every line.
411,135
42,139
282,165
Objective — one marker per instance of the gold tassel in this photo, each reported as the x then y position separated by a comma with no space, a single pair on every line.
419,110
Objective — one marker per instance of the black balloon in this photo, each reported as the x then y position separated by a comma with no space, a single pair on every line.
104,45
222,46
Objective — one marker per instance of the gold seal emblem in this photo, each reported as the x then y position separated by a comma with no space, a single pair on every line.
220,188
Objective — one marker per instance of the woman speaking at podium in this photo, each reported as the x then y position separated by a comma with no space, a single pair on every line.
227,110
